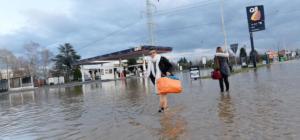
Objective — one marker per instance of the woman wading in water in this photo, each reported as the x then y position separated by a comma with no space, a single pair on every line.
222,64
159,66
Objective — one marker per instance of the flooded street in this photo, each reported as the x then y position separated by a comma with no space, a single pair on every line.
261,105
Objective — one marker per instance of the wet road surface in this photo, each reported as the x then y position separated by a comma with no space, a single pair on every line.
261,105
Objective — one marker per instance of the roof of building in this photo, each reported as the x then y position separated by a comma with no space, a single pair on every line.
124,54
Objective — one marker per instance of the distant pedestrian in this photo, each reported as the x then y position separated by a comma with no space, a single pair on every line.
222,64
159,66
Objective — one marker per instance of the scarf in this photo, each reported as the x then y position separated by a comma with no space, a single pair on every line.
151,69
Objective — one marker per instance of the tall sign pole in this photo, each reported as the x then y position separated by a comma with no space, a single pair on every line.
256,22
252,50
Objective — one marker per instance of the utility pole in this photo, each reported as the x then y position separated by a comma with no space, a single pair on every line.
223,25
150,22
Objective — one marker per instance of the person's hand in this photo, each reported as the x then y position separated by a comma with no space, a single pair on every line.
168,73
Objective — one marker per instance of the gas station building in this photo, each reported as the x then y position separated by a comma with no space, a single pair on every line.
111,66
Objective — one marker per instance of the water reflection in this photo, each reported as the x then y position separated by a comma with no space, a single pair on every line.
20,98
268,67
173,125
226,109
226,115
256,76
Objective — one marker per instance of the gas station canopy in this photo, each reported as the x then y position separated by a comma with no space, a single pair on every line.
124,54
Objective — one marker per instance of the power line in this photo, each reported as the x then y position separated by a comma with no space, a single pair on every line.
174,29
185,27
170,29
191,5
186,7
162,12
111,34
105,37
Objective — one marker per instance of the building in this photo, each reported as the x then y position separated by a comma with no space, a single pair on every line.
272,55
11,80
284,55
112,66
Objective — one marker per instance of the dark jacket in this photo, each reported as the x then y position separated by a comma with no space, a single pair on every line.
164,66
222,64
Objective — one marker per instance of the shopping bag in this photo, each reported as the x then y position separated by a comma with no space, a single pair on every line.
216,75
168,86
173,77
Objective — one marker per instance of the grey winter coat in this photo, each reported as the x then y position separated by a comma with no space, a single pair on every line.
222,64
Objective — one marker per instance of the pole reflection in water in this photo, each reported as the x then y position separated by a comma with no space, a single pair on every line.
268,67
256,76
144,82
18,98
226,116
173,125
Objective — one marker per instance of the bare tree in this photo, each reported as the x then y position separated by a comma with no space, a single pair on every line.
23,65
45,57
31,53
7,58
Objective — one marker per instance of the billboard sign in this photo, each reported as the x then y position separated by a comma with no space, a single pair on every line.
204,60
195,72
256,18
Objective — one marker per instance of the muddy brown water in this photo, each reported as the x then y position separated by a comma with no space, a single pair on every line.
261,105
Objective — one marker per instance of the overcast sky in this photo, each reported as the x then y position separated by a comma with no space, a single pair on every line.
191,27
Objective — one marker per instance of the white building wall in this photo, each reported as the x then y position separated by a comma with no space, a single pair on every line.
4,73
103,71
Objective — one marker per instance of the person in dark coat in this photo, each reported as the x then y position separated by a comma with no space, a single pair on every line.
222,64
159,66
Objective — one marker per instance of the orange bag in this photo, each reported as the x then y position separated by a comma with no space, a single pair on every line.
167,85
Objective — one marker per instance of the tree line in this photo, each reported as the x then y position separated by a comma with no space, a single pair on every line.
40,63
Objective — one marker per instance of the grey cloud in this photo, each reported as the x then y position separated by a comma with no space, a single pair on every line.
89,23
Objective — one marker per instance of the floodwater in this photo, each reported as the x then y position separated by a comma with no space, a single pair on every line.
261,105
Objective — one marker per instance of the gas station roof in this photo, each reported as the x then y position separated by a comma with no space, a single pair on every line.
124,54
